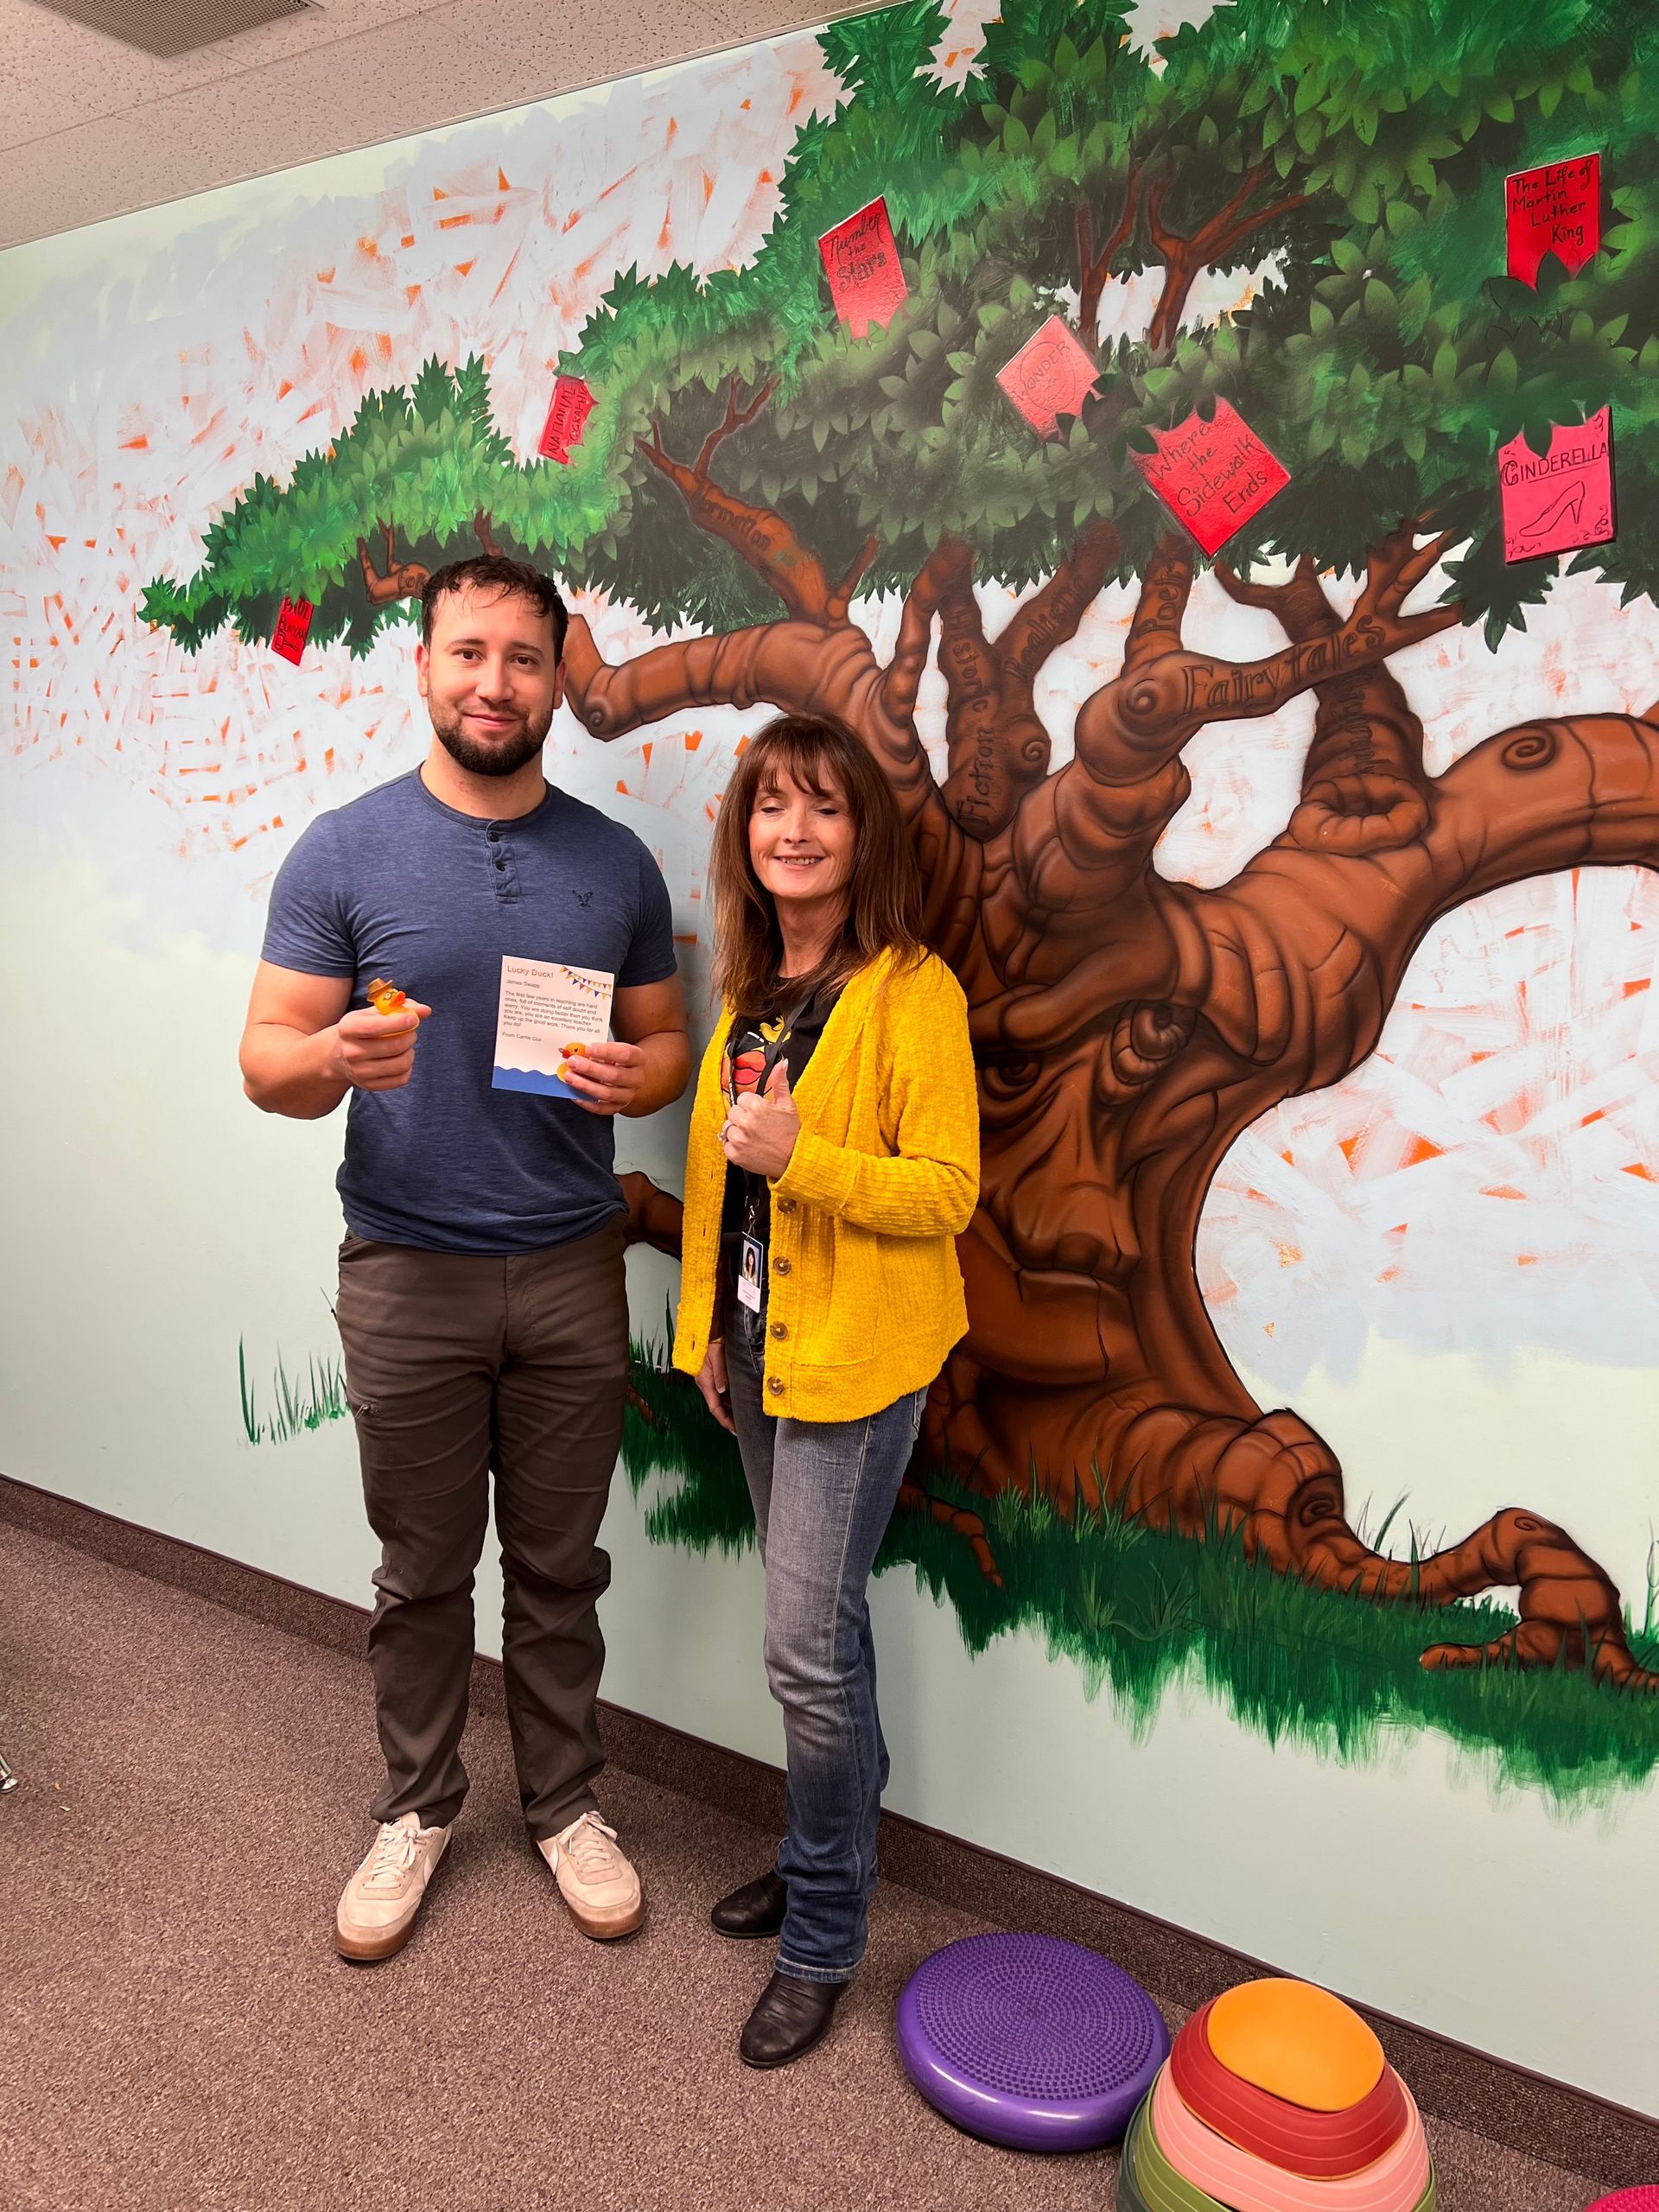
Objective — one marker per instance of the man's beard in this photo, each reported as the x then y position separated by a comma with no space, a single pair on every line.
480,757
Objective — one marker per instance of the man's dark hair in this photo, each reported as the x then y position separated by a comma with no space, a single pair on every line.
494,572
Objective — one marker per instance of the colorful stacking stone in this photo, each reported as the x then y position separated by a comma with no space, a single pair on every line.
1297,2043
1147,2182
1395,2182
1129,2195
1162,2189
1323,2144
1277,2097
1029,2041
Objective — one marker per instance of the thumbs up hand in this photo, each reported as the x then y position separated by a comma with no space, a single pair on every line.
759,1132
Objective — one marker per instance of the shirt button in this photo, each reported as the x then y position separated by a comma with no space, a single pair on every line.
500,864
779,1329
780,1266
786,1205
494,837
775,1387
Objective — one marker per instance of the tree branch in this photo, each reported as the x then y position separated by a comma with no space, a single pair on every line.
1582,791
1093,268
402,579
808,668
1364,783
1304,594
801,668
757,535
999,746
1236,233
1083,837
1051,618
1088,832
1185,258
976,733
737,418
1306,946
1155,627
846,591
786,664
910,656
1152,711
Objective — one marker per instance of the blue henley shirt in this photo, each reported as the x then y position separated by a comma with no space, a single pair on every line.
397,884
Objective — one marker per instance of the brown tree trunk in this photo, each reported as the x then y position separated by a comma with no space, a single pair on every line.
1127,1029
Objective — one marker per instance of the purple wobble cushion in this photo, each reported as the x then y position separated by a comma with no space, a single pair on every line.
1627,2200
1030,2042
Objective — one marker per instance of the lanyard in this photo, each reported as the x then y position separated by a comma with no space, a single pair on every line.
772,1053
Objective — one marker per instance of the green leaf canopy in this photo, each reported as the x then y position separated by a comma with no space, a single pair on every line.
1351,152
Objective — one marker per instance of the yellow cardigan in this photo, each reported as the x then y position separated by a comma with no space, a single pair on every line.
865,1295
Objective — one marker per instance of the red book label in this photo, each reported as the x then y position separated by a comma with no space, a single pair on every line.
860,259
293,627
573,402
1051,375
1556,502
1556,209
1212,476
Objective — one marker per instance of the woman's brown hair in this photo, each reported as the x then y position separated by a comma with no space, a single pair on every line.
884,892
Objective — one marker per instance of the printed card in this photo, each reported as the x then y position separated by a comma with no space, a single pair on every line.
1051,375
545,1006
1556,502
1212,476
567,418
1556,209
293,627
860,259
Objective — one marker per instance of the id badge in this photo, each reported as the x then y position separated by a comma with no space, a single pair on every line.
751,1272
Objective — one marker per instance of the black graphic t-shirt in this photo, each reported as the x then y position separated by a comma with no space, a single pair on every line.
788,1032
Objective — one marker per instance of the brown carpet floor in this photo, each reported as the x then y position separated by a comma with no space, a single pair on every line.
176,2034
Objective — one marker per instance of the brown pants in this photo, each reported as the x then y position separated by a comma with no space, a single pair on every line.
457,1367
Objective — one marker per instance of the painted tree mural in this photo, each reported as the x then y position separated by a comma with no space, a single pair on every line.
751,470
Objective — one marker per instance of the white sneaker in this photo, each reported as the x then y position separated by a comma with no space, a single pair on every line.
379,1904
595,1879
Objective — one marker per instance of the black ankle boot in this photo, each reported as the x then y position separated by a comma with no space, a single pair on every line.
789,2016
755,1910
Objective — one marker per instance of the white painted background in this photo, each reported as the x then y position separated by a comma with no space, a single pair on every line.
1495,1350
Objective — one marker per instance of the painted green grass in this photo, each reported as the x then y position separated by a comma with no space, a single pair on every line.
299,1403
1140,1611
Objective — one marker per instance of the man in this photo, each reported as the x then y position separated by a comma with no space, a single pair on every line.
482,1305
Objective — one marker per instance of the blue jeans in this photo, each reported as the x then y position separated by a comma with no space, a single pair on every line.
823,1493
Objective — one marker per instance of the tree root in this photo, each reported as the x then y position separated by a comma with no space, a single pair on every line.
912,1498
1278,1484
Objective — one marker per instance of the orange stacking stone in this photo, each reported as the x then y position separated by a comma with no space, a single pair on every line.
1325,2145
1297,2042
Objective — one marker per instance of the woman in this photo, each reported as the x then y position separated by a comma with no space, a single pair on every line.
833,1156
